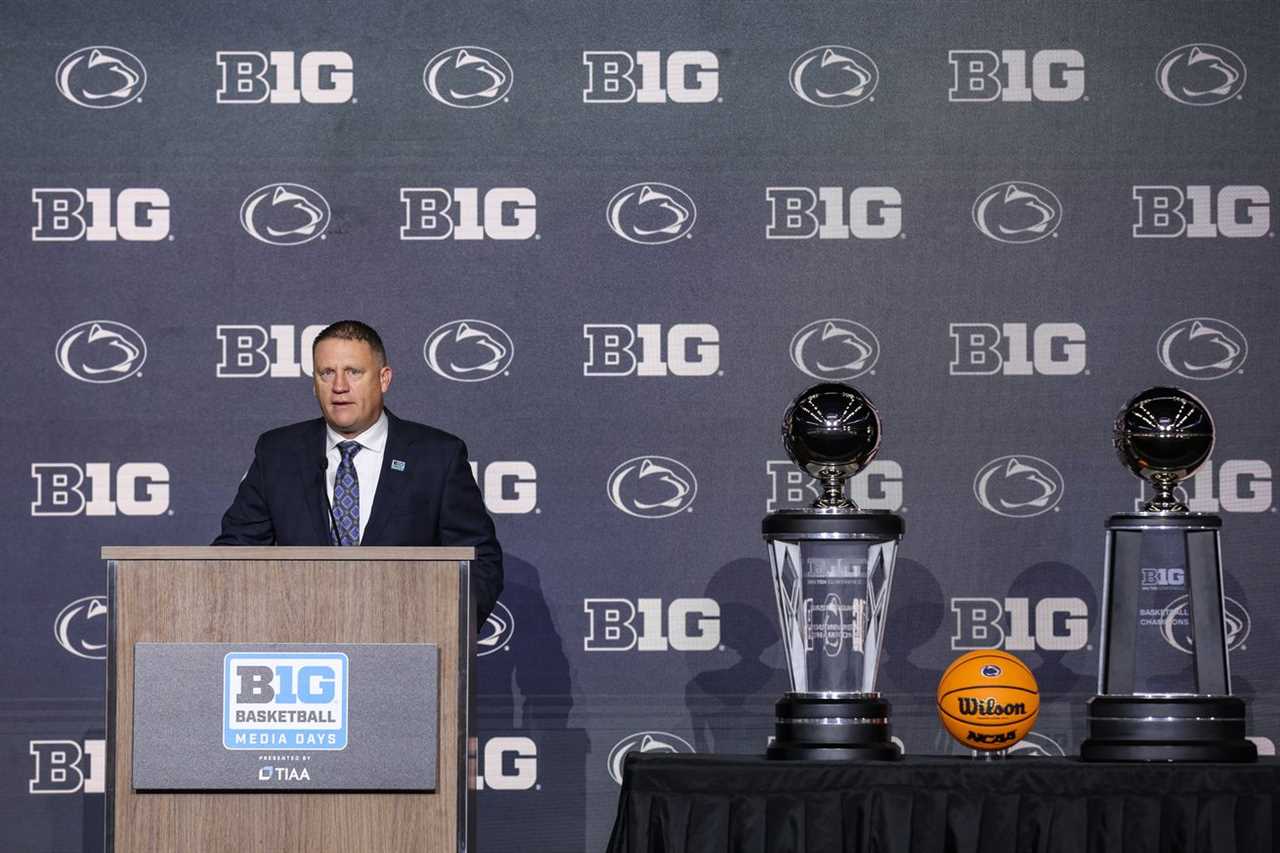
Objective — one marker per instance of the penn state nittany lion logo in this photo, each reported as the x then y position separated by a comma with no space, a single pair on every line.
101,351
651,213
1018,486
646,742
1202,348
1017,212
285,214
101,77
1201,75
652,487
468,77
468,351
834,75
835,349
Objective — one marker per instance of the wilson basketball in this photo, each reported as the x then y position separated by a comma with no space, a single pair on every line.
988,700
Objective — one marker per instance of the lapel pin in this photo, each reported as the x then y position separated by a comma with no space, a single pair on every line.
397,465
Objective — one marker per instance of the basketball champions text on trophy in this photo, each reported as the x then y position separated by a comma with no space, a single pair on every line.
832,566
1163,673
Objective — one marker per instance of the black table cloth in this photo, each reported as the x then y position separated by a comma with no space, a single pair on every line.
744,804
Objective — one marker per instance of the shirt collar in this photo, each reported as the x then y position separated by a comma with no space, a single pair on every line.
374,438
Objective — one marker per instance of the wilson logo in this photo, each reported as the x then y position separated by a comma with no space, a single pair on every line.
989,707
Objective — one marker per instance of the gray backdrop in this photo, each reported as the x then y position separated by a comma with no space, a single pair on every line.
1034,210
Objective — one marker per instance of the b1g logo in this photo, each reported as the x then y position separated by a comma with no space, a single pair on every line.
985,76
101,351
878,486
1201,75
468,77
435,213
617,349
835,349
1059,624
1202,348
507,764
277,351
141,488
873,213
68,767
645,742
468,350
1231,211
101,77
285,214
692,625
985,349
652,487
278,700
81,627
141,214
620,77
1017,212
834,75
510,487
1018,486
284,77
1175,624
651,213
1235,485
497,631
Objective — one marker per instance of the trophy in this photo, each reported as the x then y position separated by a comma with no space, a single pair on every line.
832,566
1163,675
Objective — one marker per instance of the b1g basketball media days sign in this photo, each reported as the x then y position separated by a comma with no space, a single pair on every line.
211,716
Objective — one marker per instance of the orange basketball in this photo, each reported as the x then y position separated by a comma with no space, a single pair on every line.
988,699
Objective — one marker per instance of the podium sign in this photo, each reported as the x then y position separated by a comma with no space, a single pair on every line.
285,716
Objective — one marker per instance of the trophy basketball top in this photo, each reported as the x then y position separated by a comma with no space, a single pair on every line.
831,431
1163,435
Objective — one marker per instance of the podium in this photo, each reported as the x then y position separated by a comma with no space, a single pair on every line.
179,614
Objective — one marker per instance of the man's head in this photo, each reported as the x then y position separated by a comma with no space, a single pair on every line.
351,375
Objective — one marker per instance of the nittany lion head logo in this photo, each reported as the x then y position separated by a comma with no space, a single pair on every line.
1201,75
1175,624
81,627
1017,212
468,351
1202,348
651,213
835,349
101,77
468,77
497,631
652,487
646,742
834,76
1018,486
101,351
285,214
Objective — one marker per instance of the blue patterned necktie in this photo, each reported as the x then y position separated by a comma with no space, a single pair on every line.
346,498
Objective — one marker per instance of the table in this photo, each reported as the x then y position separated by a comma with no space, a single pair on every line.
747,804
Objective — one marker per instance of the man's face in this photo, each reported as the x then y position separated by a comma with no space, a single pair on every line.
349,383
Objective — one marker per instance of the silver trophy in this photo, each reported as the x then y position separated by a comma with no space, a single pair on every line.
832,568
1164,680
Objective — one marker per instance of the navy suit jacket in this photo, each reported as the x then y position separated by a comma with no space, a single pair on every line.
432,500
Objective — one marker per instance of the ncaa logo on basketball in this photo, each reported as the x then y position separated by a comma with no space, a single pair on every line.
81,627
497,631
652,487
101,77
1018,486
281,700
835,349
1017,212
285,214
468,351
834,76
1202,348
468,77
101,351
1201,75
646,743
651,213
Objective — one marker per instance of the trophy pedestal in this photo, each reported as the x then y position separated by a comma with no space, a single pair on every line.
1167,728
832,727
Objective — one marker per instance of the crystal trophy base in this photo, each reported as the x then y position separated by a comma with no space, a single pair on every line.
1167,728
832,727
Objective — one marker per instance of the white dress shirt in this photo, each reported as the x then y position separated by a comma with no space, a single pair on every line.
367,462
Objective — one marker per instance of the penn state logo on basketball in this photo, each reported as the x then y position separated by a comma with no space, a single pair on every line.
988,699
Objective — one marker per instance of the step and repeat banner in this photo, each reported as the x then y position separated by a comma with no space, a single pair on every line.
607,244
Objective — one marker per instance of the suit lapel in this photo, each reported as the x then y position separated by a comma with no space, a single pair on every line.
391,482
310,455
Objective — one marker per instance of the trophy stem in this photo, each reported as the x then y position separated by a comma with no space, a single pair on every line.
833,492
1164,499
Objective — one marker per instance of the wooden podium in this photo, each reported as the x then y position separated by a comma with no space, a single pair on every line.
292,595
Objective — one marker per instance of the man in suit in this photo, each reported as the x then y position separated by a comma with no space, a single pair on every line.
361,476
